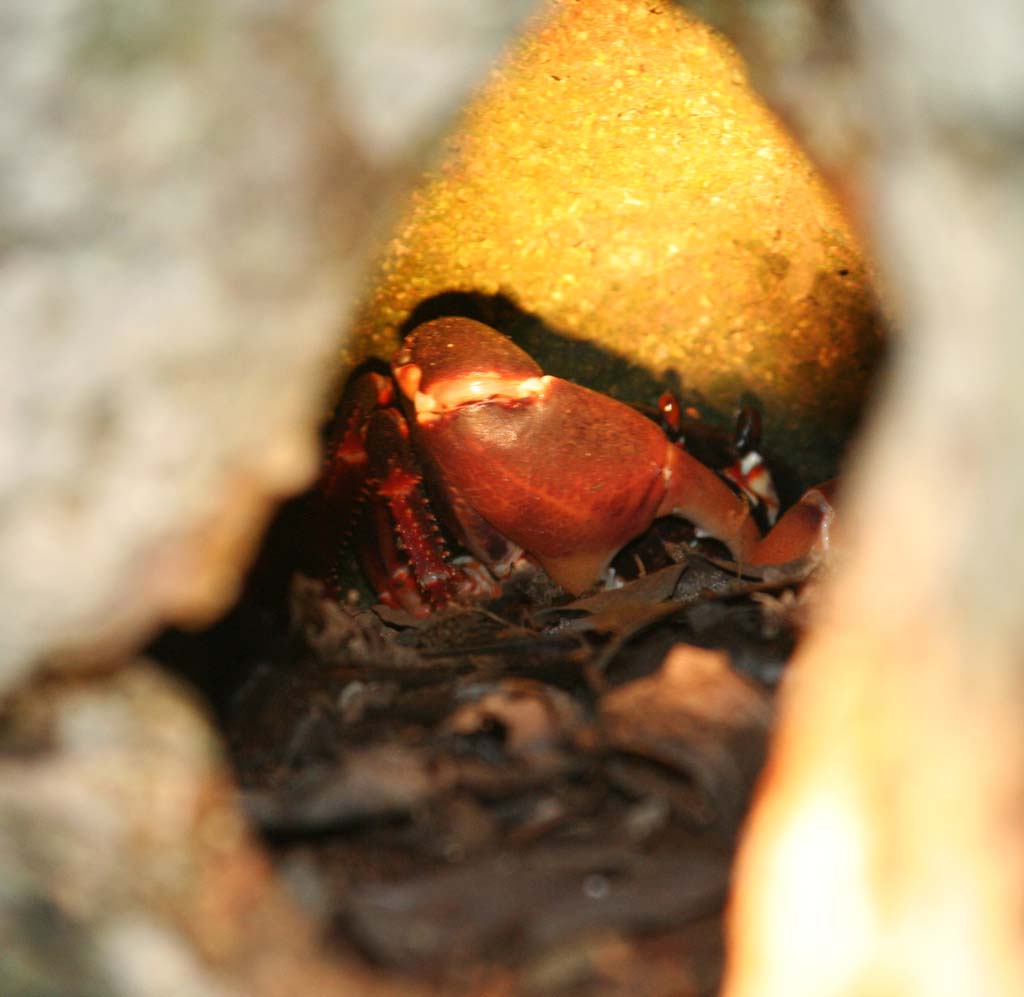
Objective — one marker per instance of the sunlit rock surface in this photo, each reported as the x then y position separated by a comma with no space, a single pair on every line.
619,180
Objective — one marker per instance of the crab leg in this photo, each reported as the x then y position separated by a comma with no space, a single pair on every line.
344,481
387,573
345,459
749,472
698,494
399,484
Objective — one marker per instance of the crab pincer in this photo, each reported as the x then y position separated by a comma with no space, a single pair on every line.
521,463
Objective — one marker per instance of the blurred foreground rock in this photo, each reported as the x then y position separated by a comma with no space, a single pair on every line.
885,855
126,867
188,195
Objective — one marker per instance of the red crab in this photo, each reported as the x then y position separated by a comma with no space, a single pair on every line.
516,463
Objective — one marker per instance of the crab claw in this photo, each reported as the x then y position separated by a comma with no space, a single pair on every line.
566,473
452,362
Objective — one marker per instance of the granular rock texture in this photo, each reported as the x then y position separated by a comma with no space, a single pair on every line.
619,181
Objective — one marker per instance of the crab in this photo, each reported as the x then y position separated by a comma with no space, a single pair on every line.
517,465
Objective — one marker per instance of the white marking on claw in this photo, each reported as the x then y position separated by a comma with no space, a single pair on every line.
533,386
449,395
426,406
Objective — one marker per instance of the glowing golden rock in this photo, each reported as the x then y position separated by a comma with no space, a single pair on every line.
618,180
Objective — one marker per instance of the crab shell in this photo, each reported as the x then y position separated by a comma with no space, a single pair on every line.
565,473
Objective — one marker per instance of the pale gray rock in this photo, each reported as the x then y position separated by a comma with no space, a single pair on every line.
125,868
188,193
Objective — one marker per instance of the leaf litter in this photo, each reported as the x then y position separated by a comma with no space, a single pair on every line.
518,789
